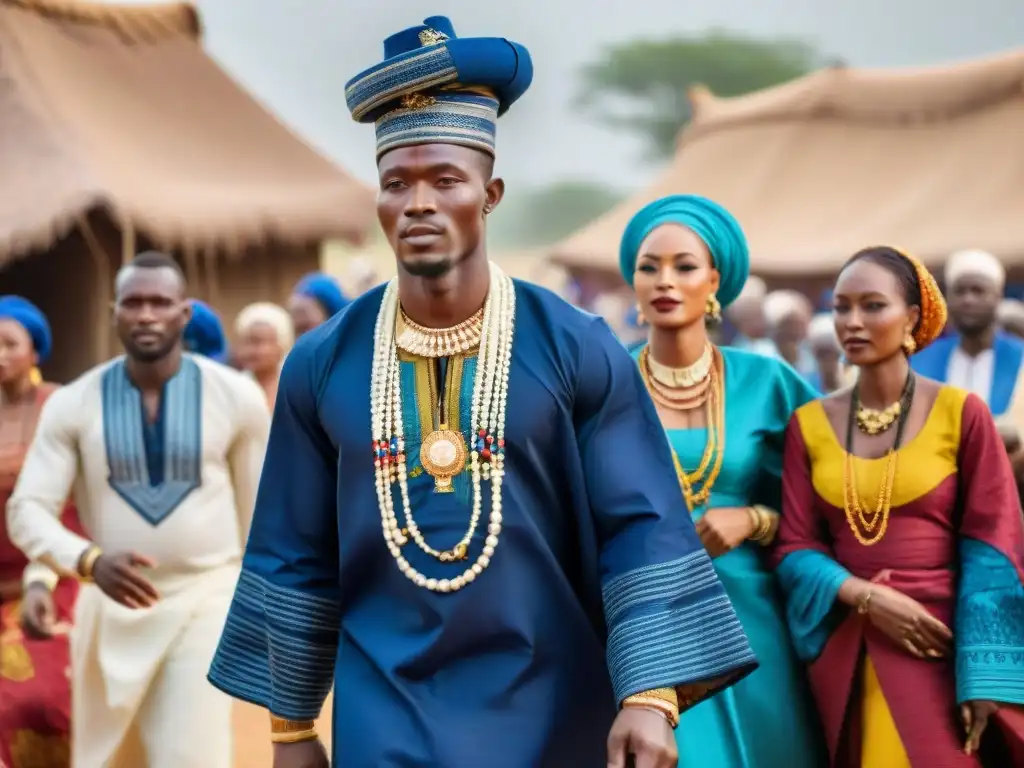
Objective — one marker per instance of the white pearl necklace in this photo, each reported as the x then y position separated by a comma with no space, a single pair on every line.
487,421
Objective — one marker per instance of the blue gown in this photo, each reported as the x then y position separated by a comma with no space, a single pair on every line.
767,720
599,587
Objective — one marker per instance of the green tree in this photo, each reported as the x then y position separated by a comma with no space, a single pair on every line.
546,214
641,86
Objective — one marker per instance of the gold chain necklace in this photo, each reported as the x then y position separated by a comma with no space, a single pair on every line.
419,340
697,485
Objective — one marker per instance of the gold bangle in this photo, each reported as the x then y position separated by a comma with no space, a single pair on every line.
294,737
87,562
660,706
767,516
755,521
864,603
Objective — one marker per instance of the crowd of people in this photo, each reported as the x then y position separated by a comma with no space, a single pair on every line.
503,538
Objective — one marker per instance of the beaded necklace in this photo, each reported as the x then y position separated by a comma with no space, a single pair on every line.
869,527
487,420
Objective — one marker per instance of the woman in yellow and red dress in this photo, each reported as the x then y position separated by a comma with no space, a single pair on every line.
901,546
35,692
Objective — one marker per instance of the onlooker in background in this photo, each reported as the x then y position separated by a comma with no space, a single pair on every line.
979,357
265,335
316,298
788,315
747,316
1010,315
824,344
204,334
35,693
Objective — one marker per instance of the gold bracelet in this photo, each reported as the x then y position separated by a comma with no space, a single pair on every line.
284,731
87,563
662,707
864,603
765,534
294,737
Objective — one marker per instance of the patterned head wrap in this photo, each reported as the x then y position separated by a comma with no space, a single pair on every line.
204,333
31,318
434,87
933,305
713,224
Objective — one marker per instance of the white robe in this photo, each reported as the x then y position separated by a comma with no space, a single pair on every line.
139,676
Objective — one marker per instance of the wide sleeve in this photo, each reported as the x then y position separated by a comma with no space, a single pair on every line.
35,508
669,621
245,456
279,642
786,390
807,571
989,627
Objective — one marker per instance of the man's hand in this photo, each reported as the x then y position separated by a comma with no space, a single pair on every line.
643,734
302,754
37,612
119,577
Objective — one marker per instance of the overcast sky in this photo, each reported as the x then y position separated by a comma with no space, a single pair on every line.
298,61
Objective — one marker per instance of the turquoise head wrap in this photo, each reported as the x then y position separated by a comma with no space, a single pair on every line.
713,224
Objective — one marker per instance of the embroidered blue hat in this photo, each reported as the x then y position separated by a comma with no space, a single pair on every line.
434,87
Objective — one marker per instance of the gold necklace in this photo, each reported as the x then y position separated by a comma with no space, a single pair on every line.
678,397
685,377
697,485
419,340
875,422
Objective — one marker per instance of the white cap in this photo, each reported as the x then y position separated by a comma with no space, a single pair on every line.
973,262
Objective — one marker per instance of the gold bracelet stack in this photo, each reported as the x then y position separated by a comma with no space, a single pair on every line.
87,563
663,700
763,520
291,731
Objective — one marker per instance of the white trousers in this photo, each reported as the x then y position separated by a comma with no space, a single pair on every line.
140,699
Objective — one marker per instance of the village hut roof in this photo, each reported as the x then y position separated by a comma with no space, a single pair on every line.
929,159
119,108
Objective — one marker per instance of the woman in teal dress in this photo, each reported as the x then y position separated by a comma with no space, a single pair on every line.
725,411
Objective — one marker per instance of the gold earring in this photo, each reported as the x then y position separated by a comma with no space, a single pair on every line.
713,309
909,345
640,319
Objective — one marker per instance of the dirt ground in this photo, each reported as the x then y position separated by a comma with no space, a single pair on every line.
252,735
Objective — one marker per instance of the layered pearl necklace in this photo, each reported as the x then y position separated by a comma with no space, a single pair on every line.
487,420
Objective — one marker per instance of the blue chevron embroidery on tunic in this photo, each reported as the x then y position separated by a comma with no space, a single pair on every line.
153,467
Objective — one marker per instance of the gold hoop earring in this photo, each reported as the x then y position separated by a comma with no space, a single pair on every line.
640,319
713,308
909,345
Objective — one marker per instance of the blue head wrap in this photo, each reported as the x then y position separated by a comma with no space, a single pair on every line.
324,290
204,333
713,224
434,87
30,317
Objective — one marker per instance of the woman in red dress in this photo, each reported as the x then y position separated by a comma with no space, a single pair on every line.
35,608
901,549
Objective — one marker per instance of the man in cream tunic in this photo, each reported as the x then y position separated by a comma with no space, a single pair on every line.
163,451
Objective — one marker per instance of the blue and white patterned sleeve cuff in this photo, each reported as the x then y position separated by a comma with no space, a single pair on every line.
671,625
278,648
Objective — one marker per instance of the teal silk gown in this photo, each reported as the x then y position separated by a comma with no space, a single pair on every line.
767,720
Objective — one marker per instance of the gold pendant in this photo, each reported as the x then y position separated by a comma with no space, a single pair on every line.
443,456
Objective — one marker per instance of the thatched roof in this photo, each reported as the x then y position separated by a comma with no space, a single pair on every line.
119,108
928,159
